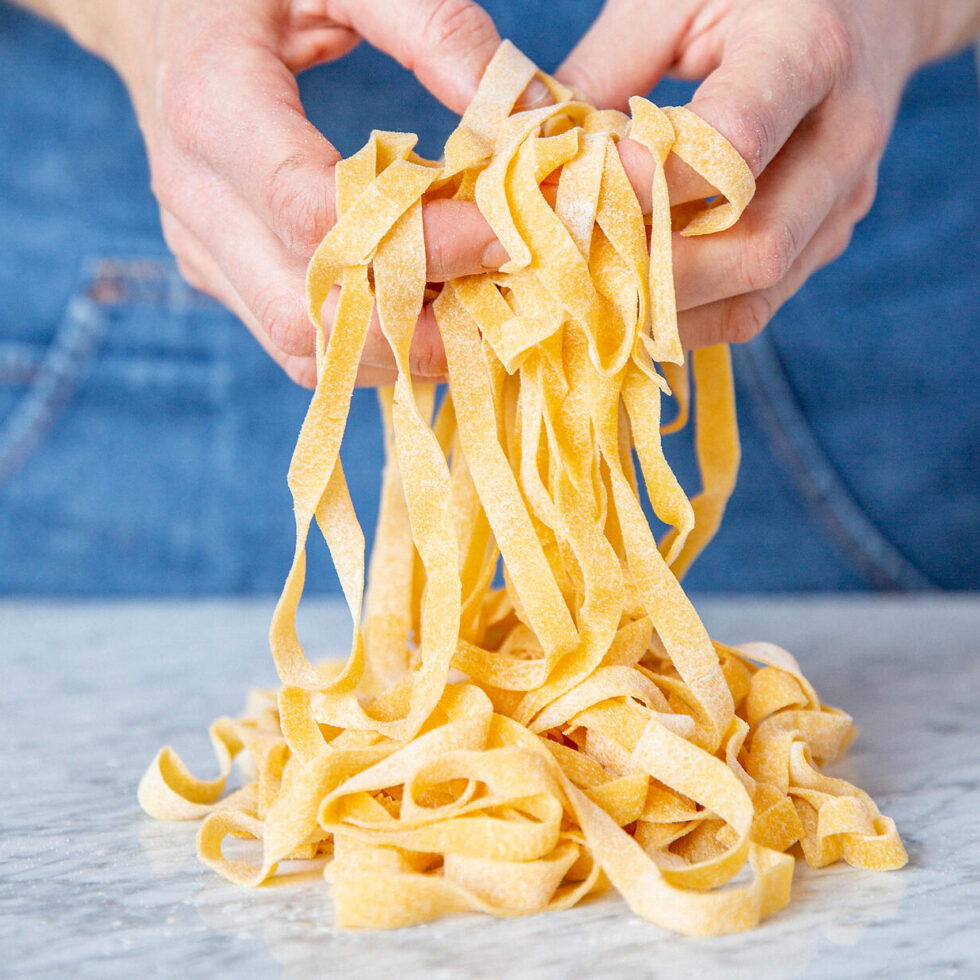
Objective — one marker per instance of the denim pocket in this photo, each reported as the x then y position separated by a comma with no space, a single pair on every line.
115,449
128,321
37,381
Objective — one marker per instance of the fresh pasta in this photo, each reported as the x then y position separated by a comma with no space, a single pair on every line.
513,748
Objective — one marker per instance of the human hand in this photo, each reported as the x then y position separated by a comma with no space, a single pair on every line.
245,183
806,91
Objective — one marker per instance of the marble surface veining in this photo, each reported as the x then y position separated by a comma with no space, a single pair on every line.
91,887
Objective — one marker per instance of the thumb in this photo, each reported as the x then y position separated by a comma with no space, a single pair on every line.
624,52
446,43
772,72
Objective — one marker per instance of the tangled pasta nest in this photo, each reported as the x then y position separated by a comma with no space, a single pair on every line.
513,749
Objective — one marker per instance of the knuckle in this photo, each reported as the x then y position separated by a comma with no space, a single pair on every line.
439,267
772,255
190,273
455,23
437,259
165,183
841,243
301,370
751,132
186,110
297,206
585,76
430,358
277,313
746,317
181,246
174,233
874,127
864,196
834,41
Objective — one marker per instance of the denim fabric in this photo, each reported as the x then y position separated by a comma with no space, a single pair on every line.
144,436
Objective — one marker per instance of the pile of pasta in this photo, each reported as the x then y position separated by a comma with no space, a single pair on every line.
515,748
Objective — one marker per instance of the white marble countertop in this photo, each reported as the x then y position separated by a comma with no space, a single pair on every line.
90,886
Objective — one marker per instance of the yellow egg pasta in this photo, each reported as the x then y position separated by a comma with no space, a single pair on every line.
513,748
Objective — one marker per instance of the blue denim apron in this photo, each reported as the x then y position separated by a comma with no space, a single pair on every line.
144,436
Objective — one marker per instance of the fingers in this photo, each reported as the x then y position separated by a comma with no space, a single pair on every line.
270,282
202,272
237,111
267,278
816,169
377,366
458,241
244,181
246,184
427,358
683,183
624,52
446,43
740,318
311,39
778,62
259,213
756,98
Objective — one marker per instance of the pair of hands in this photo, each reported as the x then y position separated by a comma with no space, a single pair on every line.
806,91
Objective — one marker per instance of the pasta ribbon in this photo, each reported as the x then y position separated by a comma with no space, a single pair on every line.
513,748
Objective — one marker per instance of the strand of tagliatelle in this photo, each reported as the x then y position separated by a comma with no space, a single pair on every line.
515,749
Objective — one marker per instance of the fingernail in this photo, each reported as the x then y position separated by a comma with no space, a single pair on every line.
534,96
494,256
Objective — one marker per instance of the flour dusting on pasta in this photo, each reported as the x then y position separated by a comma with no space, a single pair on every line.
514,749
